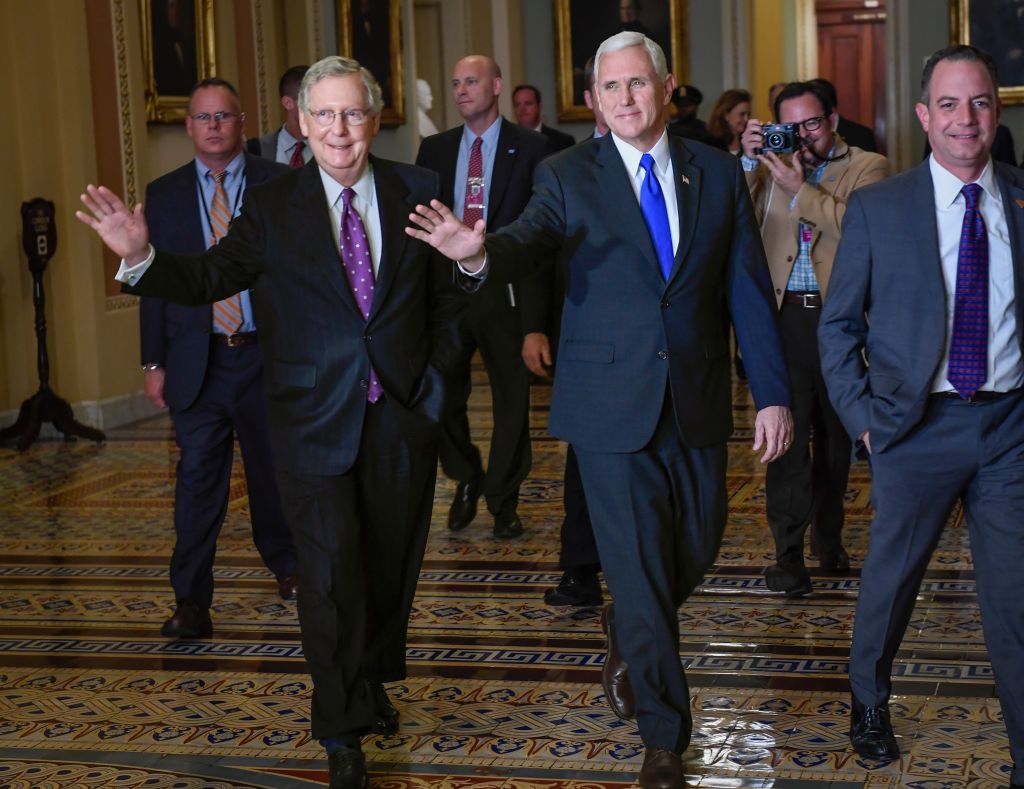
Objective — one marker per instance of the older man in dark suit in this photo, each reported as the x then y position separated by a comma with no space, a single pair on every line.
356,335
643,388
204,364
921,343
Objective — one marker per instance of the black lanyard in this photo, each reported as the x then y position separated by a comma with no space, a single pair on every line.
231,209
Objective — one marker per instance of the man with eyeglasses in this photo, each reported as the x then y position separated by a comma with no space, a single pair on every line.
204,364
358,327
799,201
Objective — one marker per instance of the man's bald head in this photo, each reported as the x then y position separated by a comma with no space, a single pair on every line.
476,85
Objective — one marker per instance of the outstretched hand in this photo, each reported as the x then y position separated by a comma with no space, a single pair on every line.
439,227
124,231
773,430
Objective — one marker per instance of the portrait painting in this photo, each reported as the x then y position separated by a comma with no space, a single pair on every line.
371,32
177,52
581,25
997,26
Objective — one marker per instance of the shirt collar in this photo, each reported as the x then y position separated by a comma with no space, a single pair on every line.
289,141
234,167
948,186
490,136
364,187
631,156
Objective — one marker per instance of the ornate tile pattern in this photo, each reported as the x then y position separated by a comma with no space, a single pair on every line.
503,690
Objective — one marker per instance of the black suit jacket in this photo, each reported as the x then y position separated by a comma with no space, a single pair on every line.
856,134
627,334
317,348
173,336
557,140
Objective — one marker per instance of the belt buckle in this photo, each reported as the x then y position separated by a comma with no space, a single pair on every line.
230,341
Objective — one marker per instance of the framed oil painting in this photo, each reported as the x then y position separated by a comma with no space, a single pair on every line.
371,32
177,52
997,26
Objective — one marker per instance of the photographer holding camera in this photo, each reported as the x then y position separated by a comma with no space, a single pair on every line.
800,174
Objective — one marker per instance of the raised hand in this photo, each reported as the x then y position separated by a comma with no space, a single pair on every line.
124,231
439,227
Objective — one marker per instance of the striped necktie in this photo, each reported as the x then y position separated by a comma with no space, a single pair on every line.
227,314
473,209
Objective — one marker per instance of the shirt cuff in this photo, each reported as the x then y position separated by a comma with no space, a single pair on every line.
129,275
479,274
748,164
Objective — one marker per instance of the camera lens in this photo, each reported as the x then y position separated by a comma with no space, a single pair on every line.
775,140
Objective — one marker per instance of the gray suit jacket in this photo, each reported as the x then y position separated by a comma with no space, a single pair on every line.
887,303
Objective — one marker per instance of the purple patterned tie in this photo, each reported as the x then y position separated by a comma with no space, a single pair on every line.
968,348
355,257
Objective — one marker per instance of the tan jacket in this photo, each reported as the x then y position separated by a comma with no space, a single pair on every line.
821,208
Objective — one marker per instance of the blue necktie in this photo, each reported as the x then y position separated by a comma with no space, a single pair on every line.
652,203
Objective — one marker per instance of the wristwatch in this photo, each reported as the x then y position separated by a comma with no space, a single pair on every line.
148,368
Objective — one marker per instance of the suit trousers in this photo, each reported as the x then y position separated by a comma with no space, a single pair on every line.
231,401
807,484
360,538
968,451
578,546
658,516
491,324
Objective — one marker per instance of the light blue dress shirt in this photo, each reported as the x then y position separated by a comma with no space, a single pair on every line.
487,151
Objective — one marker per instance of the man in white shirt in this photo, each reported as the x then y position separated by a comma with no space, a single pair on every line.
926,289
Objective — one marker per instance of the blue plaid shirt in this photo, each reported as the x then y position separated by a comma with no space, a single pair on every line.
802,278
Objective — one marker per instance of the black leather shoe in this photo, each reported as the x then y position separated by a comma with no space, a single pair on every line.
871,732
614,674
833,560
577,589
189,621
347,767
507,525
385,719
463,508
288,588
791,578
662,769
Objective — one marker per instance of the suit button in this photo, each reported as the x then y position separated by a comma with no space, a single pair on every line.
789,259
664,305
364,383
366,338
662,354
778,290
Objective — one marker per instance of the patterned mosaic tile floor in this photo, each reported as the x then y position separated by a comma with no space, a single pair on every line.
503,690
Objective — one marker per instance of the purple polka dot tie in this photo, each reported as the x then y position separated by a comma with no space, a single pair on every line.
968,349
355,257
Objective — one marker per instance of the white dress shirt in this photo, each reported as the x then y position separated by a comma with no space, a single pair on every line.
1004,368
662,168
365,202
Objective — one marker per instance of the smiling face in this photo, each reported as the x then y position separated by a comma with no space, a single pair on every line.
632,97
737,118
814,145
340,149
961,116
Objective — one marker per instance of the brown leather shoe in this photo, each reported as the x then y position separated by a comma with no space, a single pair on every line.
189,621
288,588
662,769
614,675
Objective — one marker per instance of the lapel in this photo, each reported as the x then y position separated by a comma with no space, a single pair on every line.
924,233
393,209
311,221
504,161
612,186
448,153
833,173
688,184
186,192
1012,187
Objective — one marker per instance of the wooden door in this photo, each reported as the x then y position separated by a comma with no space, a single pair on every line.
851,55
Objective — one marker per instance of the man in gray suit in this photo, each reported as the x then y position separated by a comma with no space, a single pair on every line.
927,288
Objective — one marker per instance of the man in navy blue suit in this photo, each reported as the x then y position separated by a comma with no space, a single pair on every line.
922,349
207,371
658,238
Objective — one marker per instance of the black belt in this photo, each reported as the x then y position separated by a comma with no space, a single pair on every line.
234,340
981,396
811,299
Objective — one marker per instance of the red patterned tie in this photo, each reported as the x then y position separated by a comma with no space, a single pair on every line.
473,210
358,264
968,348
227,314
297,160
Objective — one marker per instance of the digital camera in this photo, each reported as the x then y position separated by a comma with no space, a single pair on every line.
778,138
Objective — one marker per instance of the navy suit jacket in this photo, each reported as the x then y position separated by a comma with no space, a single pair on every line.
887,301
176,337
628,336
317,347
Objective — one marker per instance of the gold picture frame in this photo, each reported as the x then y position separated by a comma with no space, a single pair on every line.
581,25
363,26
178,50
999,30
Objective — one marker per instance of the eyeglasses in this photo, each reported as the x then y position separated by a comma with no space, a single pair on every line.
811,124
220,117
352,117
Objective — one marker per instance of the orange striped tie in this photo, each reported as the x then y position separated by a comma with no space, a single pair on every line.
227,314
